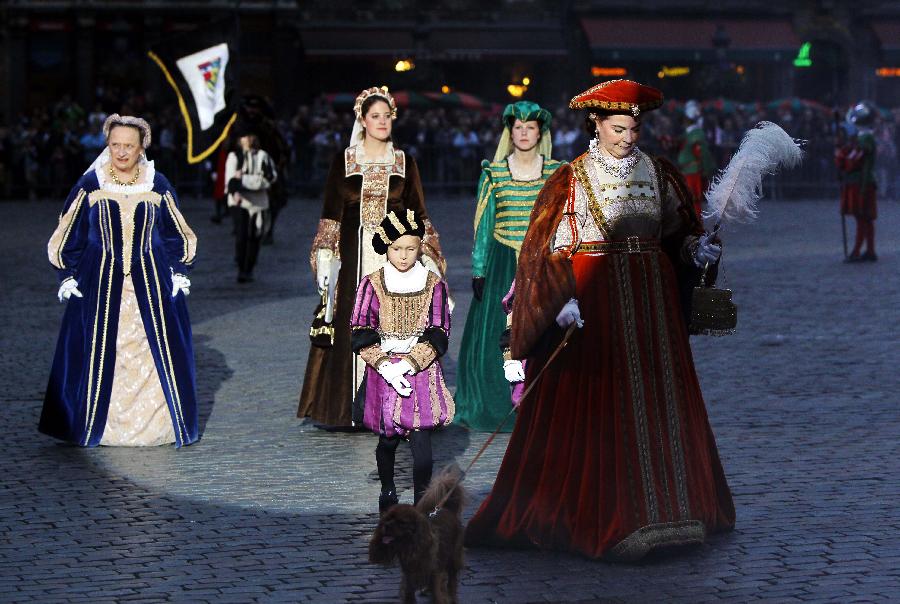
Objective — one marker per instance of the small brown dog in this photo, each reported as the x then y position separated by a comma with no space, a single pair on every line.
426,539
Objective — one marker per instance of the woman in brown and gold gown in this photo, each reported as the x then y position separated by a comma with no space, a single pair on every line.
365,181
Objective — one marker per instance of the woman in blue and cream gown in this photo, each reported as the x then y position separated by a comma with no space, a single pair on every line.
123,372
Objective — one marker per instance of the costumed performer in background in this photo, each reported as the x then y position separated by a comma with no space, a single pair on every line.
506,193
858,191
695,161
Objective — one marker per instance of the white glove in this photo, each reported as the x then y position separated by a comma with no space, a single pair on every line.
401,385
569,314
68,288
324,256
513,371
180,283
707,252
389,370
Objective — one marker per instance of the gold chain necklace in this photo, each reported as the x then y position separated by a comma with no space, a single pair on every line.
116,180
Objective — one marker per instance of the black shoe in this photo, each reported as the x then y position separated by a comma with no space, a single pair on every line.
215,219
386,500
869,257
853,258
244,277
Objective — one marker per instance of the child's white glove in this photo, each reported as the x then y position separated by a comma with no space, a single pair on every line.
401,385
513,371
68,288
390,370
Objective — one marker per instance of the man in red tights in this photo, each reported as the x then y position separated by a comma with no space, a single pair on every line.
857,162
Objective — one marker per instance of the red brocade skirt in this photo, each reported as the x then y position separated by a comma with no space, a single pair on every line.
612,454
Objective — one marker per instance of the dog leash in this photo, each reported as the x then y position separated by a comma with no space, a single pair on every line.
494,434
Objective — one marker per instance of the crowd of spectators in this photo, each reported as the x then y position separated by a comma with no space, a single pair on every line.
43,153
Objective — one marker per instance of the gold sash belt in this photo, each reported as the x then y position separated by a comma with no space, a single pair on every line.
630,245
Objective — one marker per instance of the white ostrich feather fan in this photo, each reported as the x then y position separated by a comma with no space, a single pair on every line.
733,195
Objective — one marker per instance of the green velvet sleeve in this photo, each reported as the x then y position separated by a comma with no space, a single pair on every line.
484,223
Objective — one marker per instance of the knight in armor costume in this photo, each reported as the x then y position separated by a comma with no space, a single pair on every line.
612,454
694,158
856,161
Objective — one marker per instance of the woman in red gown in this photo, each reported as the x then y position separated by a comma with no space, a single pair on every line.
612,454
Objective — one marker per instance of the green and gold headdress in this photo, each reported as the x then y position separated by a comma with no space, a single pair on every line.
525,111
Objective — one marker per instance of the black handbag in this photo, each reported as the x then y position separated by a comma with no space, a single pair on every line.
712,311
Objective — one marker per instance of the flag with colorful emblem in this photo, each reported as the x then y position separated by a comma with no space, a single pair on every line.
199,65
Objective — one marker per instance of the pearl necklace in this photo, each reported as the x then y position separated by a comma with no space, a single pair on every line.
617,168
115,178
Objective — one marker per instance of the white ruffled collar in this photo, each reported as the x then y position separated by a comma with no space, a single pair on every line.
409,282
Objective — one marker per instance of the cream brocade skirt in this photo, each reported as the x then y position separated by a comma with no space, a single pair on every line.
138,413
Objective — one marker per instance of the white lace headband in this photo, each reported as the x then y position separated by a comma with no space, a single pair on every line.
127,120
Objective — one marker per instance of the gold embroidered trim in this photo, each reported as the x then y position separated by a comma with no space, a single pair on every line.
392,217
655,402
188,237
375,185
62,233
520,213
373,355
421,356
515,244
108,249
635,376
512,203
673,421
640,184
328,236
404,315
431,247
433,394
667,534
176,411
581,175
176,397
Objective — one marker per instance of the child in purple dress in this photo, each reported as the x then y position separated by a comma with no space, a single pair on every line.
401,324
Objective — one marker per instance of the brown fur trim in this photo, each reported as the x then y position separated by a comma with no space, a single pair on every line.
671,176
544,280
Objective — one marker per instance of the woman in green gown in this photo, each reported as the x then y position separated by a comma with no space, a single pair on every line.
506,193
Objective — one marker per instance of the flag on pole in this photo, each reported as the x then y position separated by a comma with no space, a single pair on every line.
199,65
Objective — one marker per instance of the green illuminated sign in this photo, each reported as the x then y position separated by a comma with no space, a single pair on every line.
803,59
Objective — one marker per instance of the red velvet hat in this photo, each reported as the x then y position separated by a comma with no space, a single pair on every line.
619,96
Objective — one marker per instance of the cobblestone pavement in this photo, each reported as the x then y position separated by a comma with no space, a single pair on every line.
803,401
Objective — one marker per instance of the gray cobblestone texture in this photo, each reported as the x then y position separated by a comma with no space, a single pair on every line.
266,508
